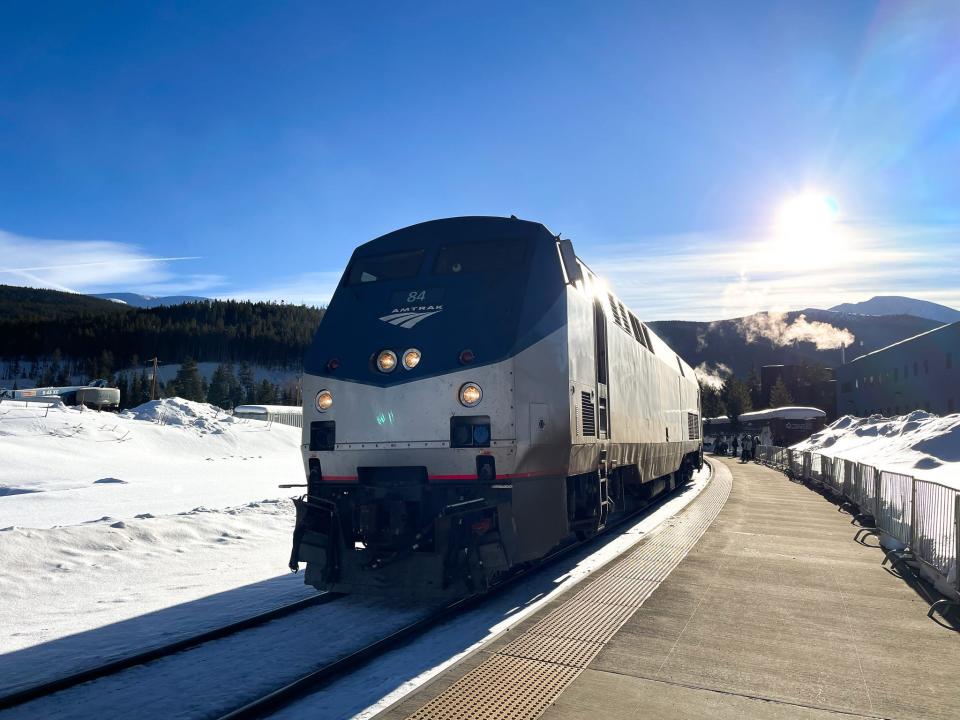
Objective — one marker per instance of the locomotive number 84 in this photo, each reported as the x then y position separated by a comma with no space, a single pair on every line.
474,398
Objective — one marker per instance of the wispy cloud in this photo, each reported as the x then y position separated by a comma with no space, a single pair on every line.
311,288
728,274
93,266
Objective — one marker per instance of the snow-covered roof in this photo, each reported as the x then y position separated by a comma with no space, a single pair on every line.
267,408
784,413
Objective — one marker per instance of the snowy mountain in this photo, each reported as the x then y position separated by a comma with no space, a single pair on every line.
149,301
899,305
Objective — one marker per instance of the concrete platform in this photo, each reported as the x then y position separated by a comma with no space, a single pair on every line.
776,612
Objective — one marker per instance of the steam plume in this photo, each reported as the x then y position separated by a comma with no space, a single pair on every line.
712,377
774,327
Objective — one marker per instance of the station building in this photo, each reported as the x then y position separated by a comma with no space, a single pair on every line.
919,373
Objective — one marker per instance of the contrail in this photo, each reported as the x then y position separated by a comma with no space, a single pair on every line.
25,273
98,262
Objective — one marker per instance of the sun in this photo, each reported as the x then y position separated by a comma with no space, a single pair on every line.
807,217
807,230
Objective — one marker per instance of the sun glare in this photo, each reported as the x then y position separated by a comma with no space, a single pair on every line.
806,230
807,217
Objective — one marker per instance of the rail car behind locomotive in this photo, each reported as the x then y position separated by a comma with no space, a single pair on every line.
474,398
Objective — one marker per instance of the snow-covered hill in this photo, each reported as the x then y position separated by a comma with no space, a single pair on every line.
899,305
149,301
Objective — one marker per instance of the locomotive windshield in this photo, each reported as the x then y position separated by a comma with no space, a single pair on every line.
386,267
480,284
493,255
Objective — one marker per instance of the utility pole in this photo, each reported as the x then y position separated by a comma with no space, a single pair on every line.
153,385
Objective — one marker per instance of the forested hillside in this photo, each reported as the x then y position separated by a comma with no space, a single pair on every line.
23,303
50,335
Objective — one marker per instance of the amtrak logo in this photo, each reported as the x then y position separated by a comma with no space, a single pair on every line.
407,317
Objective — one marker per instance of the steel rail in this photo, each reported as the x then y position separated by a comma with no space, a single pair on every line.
35,692
317,679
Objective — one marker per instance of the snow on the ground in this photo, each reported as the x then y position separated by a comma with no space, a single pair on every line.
134,523
76,596
920,444
65,466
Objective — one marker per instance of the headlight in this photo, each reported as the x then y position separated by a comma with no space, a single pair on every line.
386,361
411,358
470,394
324,400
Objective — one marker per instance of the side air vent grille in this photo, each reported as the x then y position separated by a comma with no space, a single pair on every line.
693,426
588,415
614,310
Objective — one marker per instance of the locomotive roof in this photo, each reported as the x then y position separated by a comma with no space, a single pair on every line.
524,309
453,229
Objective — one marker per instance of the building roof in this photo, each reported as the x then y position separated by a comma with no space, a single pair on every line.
783,413
955,325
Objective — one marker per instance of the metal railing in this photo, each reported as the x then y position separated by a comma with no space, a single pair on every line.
924,516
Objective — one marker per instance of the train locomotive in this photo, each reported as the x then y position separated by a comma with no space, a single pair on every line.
475,397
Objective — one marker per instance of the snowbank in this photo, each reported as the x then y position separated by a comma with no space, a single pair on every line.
108,518
201,417
66,466
59,582
920,444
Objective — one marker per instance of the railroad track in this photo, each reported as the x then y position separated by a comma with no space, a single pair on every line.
50,687
321,677
318,678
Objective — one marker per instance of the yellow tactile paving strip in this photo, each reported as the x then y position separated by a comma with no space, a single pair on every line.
523,678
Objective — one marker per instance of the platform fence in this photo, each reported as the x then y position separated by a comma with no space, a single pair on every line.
921,514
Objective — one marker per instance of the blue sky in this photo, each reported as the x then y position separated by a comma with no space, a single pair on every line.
243,149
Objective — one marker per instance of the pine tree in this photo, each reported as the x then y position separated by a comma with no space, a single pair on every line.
266,393
106,365
219,391
779,395
753,386
136,389
235,391
146,387
736,398
123,386
187,384
47,378
248,383
711,405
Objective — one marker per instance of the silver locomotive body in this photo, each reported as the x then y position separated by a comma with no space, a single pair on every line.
414,489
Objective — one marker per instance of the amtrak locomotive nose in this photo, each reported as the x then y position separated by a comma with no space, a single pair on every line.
457,412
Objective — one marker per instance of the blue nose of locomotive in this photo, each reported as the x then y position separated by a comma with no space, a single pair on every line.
437,297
